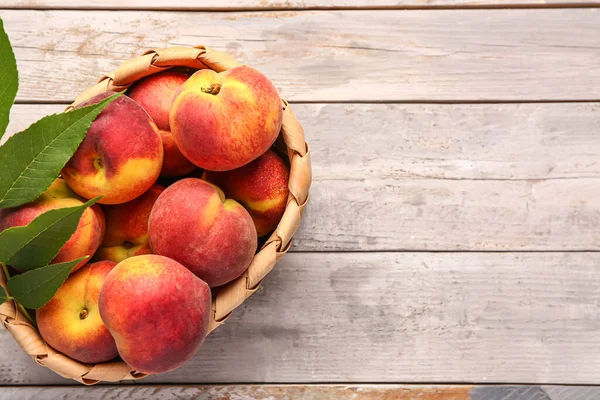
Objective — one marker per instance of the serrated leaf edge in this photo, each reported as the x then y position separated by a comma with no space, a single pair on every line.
16,77
25,274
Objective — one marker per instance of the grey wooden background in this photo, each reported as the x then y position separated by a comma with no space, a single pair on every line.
454,225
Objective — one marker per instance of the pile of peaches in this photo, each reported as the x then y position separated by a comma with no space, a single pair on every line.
189,181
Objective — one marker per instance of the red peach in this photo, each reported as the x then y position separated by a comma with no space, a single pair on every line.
157,311
121,156
221,121
192,223
71,322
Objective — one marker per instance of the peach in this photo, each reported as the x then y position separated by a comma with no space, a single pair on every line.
121,156
157,311
71,322
221,121
90,230
193,223
127,227
260,186
155,94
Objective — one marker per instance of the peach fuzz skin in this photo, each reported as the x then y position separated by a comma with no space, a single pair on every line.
71,322
157,311
121,156
155,94
127,227
221,121
260,186
193,223
90,230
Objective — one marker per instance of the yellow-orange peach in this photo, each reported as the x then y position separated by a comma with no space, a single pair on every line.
90,230
221,121
155,94
127,227
157,311
120,157
71,322
192,223
260,186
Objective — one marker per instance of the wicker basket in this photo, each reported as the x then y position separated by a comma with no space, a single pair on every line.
291,140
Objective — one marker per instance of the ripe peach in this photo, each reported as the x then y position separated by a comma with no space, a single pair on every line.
127,227
157,311
261,186
89,233
71,323
121,156
155,94
221,121
193,223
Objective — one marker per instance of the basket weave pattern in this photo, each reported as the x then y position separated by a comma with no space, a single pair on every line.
291,139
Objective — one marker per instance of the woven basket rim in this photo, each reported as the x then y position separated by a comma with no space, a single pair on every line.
230,295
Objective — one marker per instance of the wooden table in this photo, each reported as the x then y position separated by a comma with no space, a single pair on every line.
453,232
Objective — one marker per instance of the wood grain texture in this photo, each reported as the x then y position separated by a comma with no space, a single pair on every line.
398,317
305,392
444,177
436,55
281,4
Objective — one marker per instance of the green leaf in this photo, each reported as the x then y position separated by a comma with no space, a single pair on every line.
35,288
3,295
32,159
35,245
9,78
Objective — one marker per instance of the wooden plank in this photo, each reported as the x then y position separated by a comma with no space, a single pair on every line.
304,392
438,55
283,5
445,177
246,392
398,317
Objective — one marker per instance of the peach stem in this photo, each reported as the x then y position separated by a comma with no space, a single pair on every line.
212,89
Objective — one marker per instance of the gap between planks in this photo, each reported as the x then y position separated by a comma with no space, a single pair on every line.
100,6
